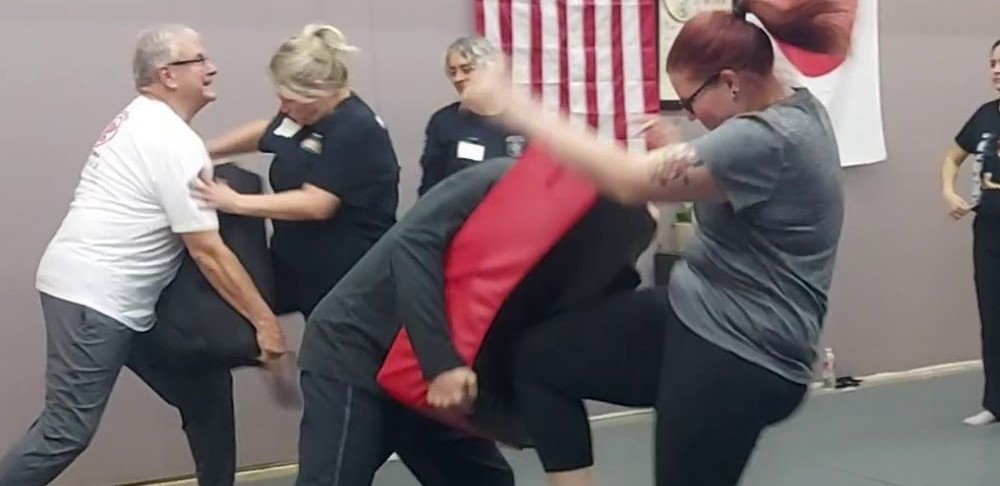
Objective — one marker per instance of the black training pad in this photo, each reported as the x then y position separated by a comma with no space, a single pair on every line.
195,326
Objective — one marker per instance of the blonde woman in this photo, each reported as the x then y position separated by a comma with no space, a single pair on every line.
334,173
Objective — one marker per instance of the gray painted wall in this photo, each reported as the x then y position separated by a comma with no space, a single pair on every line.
903,294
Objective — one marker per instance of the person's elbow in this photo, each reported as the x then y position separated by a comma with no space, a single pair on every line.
626,185
629,195
425,185
205,247
319,211
318,204
955,156
627,191
953,161
432,173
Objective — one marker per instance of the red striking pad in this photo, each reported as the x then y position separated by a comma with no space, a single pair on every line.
527,211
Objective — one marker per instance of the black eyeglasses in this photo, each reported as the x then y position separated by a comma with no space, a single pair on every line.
688,103
197,60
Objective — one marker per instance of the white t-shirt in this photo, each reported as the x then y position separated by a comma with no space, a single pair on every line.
119,246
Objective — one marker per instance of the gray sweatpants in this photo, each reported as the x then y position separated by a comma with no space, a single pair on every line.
85,352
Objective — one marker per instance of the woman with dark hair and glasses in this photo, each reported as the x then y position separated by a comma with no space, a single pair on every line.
687,103
979,137
728,348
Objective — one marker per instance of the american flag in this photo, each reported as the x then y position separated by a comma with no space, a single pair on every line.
594,59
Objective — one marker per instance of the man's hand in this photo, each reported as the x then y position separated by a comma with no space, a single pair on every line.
281,380
228,277
271,340
454,389
278,362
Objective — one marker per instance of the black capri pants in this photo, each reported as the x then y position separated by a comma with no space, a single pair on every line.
631,349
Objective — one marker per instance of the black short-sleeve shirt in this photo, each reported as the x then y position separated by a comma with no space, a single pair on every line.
456,138
348,153
979,137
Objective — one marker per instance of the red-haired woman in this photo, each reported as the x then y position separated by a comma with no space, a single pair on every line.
728,348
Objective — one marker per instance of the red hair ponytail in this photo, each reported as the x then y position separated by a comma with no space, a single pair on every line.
712,41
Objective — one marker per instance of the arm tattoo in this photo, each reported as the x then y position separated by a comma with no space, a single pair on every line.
657,166
672,162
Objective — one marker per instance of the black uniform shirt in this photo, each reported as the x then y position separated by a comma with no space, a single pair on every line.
457,138
979,137
349,154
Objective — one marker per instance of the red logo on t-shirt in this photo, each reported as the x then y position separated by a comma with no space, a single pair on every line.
112,129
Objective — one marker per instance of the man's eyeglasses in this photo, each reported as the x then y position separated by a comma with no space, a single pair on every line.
196,60
688,103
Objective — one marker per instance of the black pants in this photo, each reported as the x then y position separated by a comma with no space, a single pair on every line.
986,264
204,399
347,433
630,349
301,284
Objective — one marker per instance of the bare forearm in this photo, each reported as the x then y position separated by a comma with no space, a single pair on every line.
614,171
241,140
293,205
953,159
949,171
628,178
227,275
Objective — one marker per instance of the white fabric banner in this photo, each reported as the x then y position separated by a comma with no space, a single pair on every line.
850,88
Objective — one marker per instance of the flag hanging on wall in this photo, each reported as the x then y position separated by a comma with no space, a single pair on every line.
593,59
848,87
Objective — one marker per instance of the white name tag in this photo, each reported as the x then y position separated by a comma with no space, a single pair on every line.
471,151
287,128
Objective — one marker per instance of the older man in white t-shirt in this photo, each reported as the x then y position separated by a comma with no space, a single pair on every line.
119,245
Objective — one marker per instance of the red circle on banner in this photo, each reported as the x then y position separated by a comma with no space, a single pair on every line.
842,18
811,64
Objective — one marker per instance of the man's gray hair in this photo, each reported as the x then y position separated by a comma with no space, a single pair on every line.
155,47
478,50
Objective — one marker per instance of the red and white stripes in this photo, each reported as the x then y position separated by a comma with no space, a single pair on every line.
595,59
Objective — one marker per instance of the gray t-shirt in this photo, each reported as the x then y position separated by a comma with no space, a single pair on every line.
755,277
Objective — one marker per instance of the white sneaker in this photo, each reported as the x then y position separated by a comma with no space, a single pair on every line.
982,418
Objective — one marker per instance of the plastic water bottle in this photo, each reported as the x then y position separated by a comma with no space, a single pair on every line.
829,374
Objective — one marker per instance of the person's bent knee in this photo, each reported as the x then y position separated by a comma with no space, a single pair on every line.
67,439
566,464
502,475
528,358
507,479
